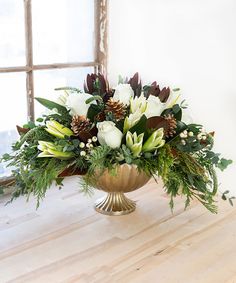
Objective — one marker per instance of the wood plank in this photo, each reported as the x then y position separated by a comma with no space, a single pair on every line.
65,240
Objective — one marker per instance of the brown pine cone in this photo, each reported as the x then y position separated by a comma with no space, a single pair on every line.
170,131
100,117
80,124
117,109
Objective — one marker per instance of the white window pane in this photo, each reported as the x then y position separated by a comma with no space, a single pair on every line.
63,31
46,81
12,35
13,111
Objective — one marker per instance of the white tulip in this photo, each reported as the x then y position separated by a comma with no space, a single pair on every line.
154,106
109,134
123,93
76,102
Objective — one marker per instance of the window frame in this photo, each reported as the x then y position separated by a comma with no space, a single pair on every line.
99,63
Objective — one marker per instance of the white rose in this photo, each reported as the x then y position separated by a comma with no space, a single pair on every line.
154,106
76,102
123,93
109,134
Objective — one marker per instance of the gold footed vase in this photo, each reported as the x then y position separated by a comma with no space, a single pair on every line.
126,179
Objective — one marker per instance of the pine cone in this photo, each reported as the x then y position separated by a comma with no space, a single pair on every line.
117,109
170,131
100,117
80,124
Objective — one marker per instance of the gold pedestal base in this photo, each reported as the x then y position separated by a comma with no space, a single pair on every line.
115,203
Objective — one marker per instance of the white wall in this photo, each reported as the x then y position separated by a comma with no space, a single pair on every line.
185,43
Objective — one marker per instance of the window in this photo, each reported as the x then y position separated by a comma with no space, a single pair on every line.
45,44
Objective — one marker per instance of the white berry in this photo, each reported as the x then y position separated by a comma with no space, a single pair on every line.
89,140
190,134
83,153
94,139
183,142
81,145
199,137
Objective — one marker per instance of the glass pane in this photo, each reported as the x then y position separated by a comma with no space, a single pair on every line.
13,112
46,81
63,31
12,43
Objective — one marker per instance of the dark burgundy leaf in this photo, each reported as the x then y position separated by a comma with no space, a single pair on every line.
164,94
154,90
21,130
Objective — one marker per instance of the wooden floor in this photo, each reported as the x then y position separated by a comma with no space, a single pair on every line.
65,240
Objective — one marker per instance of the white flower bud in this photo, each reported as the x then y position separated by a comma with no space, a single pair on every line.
94,139
185,132
81,145
88,145
83,153
183,142
89,140
204,138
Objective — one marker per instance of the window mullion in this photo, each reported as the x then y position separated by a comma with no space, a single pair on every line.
101,35
29,59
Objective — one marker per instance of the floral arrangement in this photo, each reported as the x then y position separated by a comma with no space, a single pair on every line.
102,127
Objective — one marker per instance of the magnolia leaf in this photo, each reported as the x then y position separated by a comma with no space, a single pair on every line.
93,111
21,131
157,122
181,126
51,105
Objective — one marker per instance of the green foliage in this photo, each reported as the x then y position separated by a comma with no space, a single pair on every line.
68,88
52,105
93,111
140,127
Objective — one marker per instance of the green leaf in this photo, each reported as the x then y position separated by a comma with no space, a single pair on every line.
72,89
52,105
140,127
93,111
224,197
224,163
95,97
29,125
39,120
